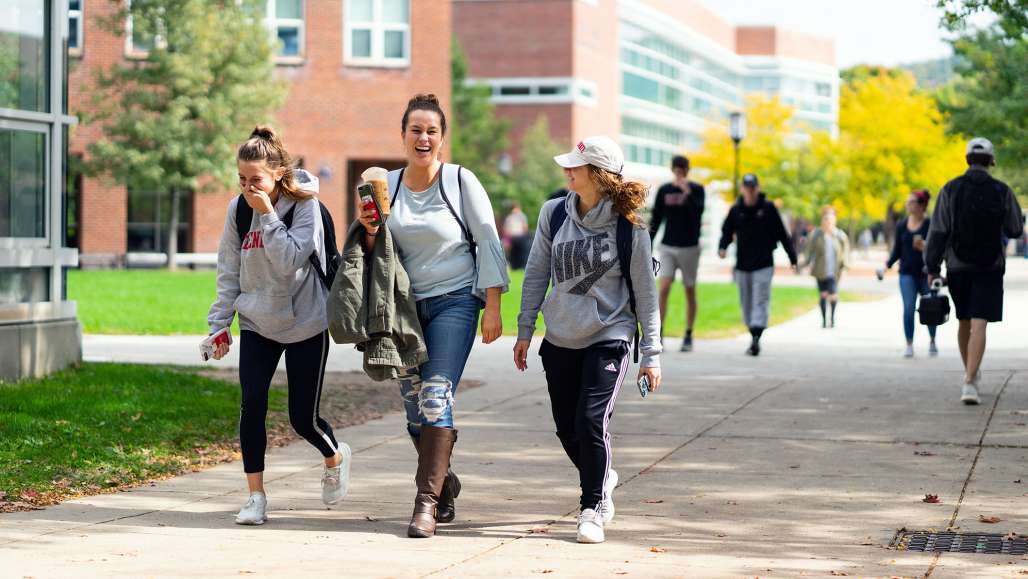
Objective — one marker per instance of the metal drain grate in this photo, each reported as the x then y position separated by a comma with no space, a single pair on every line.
950,542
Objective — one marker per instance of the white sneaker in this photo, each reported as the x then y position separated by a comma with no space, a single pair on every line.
255,511
336,480
590,527
607,503
969,394
909,352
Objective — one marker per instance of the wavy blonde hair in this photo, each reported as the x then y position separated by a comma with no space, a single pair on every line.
628,196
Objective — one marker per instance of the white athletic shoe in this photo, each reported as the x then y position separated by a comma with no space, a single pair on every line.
909,352
590,527
336,480
607,503
969,394
255,511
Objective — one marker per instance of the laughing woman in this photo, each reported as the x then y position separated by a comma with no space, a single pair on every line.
442,223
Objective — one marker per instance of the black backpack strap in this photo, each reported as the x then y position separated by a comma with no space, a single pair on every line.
624,238
557,219
460,199
287,219
396,190
244,216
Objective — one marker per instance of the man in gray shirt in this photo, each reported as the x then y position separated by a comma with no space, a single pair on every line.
973,218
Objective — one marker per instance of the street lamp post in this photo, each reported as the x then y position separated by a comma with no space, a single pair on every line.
737,130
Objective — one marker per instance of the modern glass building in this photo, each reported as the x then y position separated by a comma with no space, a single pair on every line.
39,332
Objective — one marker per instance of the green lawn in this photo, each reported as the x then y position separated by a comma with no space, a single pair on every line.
107,425
159,302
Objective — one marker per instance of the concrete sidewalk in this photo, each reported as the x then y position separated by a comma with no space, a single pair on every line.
802,462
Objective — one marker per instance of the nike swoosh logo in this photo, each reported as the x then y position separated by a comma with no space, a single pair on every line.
586,284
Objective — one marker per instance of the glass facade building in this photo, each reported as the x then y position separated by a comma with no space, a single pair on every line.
39,332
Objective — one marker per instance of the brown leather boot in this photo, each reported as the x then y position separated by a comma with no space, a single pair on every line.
446,512
434,450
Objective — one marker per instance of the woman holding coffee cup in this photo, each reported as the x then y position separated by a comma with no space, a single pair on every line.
442,222
908,250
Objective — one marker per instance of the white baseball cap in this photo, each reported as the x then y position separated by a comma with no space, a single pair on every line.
601,152
980,145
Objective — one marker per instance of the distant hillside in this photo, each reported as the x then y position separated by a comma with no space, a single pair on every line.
931,73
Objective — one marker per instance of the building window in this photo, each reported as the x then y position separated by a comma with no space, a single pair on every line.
140,40
149,220
286,21
21,285
824,89
75,26
22,183
377,32
24,53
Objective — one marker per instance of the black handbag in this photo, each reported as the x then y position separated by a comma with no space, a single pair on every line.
934,307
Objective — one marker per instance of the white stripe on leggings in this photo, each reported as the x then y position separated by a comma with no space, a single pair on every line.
317,395
606,417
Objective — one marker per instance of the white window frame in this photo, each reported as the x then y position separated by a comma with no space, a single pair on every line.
79,29
378,29
273,22
130,45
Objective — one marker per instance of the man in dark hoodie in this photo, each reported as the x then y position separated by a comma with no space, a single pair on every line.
756,227
974,216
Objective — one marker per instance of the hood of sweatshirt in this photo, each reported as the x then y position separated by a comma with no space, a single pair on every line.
741,202
600,217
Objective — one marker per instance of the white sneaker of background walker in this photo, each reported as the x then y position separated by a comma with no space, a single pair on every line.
255,511
969,394
335,482
909,352
607,503
590,527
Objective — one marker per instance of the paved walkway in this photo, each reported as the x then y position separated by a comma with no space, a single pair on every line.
804,462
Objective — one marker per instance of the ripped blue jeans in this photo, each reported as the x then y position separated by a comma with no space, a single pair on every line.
449,323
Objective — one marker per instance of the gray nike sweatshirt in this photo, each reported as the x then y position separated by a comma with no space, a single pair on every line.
268,280
589,299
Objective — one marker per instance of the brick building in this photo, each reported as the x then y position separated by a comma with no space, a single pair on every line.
351,66
656,73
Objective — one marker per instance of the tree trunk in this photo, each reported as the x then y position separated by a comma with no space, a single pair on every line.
173,231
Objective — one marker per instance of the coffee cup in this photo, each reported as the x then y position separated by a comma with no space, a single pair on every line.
377,178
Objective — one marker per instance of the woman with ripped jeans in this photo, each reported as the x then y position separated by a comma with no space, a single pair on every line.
442,223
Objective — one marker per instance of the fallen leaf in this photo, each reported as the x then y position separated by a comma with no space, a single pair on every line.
539,530
658,550
794,466
653,501
720,535
1018,481
923,453
543,571
990,520
931,499
370,518
838,574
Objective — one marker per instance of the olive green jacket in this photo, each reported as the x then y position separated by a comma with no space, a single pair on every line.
815,254
371,304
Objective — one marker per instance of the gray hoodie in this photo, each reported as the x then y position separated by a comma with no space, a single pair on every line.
269,281
591,305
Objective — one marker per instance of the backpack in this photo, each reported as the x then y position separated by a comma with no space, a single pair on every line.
979,204
623,242
244,216
449,179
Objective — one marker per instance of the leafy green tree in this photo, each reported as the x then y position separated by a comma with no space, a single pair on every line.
989,98
535,174
478,137
1012,14
172,121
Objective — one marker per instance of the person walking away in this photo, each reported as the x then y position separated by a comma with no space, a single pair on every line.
515,228
908,249
828,254
973,215
266,275
593,250
679,208
442,224
756,227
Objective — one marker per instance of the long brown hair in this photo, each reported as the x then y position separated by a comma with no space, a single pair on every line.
628,196
265,145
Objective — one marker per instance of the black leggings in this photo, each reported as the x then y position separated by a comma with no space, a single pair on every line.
305,371
583,387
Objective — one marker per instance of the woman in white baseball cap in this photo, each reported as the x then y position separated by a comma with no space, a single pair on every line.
592,248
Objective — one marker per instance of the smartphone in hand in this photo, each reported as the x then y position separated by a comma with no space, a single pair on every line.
211,343
644,386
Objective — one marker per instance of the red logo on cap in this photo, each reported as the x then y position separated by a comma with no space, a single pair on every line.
581,147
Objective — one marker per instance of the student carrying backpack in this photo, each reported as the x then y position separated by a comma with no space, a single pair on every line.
592,248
